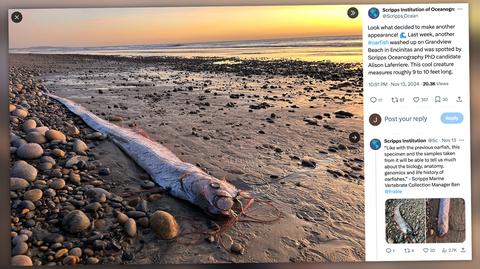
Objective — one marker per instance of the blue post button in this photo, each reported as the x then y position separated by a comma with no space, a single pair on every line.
452,117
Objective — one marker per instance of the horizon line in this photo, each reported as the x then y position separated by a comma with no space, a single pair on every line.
184,43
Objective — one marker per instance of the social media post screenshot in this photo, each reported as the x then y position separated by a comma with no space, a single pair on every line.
417,132
239,134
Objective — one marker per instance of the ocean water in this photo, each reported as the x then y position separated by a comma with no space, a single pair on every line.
336,49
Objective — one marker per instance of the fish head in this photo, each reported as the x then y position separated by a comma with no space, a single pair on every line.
219,198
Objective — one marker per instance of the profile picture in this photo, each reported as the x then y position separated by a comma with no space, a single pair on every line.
373,13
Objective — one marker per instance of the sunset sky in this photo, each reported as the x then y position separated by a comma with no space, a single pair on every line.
129,26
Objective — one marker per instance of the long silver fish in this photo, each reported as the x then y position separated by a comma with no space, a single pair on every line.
401,222
183,180
443,216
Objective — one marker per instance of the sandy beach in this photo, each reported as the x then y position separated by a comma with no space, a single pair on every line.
278,129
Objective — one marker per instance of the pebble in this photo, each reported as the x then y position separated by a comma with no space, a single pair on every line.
97,194
21,260
45,166
76,252
94,207
93,260
36,137
58,153
11,108
33,195
237,248
42,130
104,171
26,204
48,159
80,147
121,218
75,160
50,192
72,130
57,184
164,225
24,170
30,151
99,244
29,124
56,135
309,163
71,260
17,183
136,214
16,141
76,221
142,206
144,222
74,178
19,239
21,113
60,253
54,238
20,248
130,227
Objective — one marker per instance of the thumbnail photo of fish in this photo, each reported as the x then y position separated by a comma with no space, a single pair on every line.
186,135
405,221
445,220
425,220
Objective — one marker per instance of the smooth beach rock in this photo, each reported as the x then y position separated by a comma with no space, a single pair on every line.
20,248
24,170
75,160
130,227
71,260
72,130
36,137
17,183
59,153
11,108
44,166
48,159
17,141
237,248
75,222
94,207
21,260
20,238
33,195
21,113
30,151
74,177
75,252
56,135
42,130
164,225
98,194
57,184
79,147
121,218
29,124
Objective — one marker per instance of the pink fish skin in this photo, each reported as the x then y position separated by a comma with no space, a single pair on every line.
443,216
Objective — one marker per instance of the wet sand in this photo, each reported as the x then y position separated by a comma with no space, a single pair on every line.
269,128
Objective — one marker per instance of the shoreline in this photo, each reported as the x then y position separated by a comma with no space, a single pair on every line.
283,137
284,67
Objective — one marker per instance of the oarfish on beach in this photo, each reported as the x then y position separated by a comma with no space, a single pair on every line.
443,215
182,180
401,222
